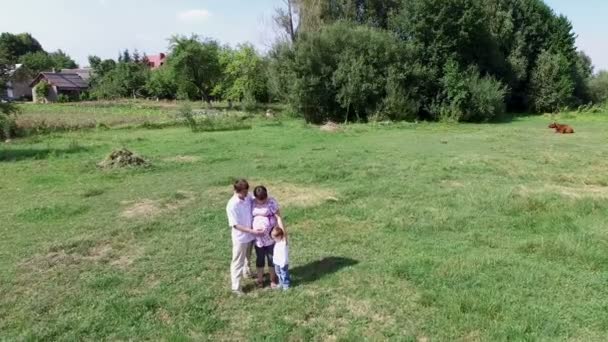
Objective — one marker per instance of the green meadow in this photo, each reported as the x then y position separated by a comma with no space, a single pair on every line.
403,231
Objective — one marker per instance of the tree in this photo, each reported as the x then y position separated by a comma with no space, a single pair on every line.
36,62
244,75
113,80
101,67
598,87
161,83
17,45
342,70
7,110
552,86
285,19
196,66
41,61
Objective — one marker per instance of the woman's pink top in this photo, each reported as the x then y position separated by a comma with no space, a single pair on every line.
264,218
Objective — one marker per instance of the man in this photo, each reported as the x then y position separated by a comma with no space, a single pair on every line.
239,220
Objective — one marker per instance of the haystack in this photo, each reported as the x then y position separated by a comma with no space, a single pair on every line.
122,158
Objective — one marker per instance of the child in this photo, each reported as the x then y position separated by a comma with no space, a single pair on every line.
266,215
281,257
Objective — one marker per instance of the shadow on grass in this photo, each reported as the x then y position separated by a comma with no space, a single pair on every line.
316,270
8,155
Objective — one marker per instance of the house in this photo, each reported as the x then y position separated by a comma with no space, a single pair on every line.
18,85
156,61
68,82
84,73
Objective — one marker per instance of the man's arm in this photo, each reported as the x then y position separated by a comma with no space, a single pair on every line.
247,230
232,221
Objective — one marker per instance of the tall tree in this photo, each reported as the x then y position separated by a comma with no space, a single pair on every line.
195,63
17,45
285,19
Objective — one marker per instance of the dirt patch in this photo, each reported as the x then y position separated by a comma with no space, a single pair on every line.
330,127
287,194
183,159
164,317
148,208
583,191
122,158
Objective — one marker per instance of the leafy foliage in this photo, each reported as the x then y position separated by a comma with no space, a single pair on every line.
196,66
598,87
7,110
552,87
162,84
17,45
42,61
244,75
465,59
42,90
119,80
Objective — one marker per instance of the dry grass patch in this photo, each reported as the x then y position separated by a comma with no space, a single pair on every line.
147,208
287,194
582,191
183,159
102,252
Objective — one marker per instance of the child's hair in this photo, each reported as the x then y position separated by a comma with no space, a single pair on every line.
277,233
240,185
260,193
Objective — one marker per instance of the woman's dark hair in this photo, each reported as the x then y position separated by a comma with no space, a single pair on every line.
260,193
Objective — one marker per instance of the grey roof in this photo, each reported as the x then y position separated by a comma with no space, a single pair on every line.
67,81
84,73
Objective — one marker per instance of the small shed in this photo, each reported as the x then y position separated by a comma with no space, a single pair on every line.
70,84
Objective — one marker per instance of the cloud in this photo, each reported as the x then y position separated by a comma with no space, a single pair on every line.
195,15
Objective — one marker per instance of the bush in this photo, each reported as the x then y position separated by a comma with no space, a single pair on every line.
63,98
161,84
42,91
469,97
598,87
186,113
249,103
84,96
339,73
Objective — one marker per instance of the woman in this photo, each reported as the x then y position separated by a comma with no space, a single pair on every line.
266,216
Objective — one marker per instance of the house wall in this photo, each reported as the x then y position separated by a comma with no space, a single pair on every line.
21,89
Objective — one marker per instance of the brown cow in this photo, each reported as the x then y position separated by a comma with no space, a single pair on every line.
563,129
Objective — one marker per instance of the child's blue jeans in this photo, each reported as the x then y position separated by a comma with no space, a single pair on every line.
283,274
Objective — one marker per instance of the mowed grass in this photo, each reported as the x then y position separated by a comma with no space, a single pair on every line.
409,232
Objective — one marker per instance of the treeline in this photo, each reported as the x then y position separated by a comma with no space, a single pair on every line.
460,60
196,69
361,60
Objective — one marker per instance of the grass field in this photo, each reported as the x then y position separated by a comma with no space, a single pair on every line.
415,232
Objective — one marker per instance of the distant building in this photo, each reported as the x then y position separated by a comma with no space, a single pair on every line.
18,86
68,82
156,61
84,73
